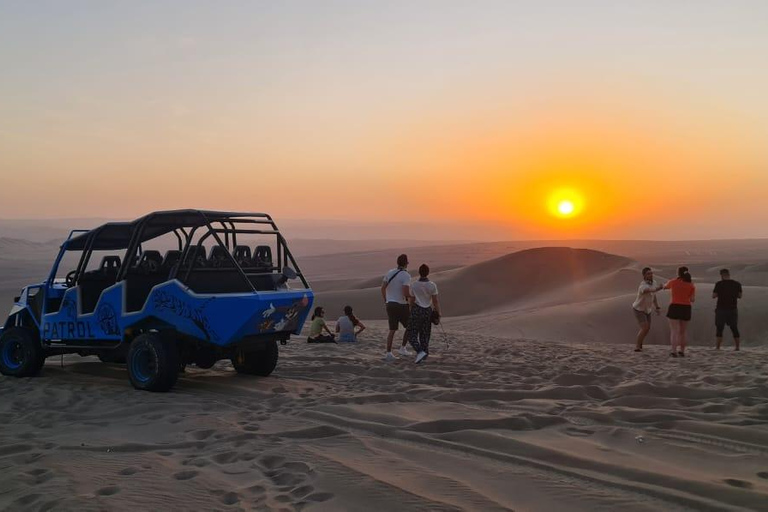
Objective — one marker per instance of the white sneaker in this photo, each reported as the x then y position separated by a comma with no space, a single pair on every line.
420,357
404,351
390,357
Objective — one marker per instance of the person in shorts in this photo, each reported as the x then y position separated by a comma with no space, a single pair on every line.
645,304
395,290
727,292
679,312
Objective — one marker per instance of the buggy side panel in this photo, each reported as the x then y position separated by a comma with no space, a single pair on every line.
219,319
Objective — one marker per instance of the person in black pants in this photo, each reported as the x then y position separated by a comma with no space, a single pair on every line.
727,292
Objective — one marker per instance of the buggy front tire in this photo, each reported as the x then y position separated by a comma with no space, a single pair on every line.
21,354
262,362
153,363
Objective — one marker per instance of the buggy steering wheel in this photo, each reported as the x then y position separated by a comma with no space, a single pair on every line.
70,279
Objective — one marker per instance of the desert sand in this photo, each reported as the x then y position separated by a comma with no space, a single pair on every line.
485,424
531,399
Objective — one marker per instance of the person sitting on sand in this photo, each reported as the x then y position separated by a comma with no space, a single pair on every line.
727,292
424,301
679,312
346,325
317,326
394,291
645,304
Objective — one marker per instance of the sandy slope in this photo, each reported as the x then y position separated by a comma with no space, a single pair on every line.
556,293
485,424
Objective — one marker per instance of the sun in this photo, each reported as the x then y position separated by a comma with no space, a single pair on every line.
565,207
565,203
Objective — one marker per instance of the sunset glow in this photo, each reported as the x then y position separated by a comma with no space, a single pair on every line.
505,116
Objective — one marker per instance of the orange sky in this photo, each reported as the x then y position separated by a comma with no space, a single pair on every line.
365,114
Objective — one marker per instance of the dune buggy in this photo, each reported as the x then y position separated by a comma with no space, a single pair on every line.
167,290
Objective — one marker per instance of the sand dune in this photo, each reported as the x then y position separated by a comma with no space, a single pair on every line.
485,424
554,294
522,277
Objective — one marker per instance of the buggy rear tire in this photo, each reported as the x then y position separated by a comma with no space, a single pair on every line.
153,363
262,362
21,354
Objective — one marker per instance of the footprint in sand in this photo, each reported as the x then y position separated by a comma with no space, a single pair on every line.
763,474
319,497
742,484
186,475
227,498
128,471
298,466
109,490
201,435
225,458
40,475
230,498
272,461
257,490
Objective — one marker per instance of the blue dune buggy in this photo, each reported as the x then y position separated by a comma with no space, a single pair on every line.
202,294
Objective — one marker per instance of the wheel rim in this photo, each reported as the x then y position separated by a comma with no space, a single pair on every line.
143,365
13,355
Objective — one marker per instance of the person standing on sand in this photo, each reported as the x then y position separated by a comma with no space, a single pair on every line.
424,301
645,304
679,312
727,292
395,290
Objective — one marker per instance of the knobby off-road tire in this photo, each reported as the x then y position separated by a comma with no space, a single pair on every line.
262,362
21,354
153,362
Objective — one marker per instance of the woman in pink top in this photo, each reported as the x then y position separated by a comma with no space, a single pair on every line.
679,312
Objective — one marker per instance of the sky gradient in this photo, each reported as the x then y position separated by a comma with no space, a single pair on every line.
655,113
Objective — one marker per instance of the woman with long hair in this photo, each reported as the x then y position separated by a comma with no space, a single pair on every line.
679,312
317,326
347,324
424,302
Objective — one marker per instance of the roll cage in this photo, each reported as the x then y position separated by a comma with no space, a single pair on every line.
191,228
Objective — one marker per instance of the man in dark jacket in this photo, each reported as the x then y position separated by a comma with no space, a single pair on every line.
727,292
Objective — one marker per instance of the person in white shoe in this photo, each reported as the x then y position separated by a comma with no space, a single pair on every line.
395,292
424,303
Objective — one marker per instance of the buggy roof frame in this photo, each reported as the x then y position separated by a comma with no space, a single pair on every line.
119,235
